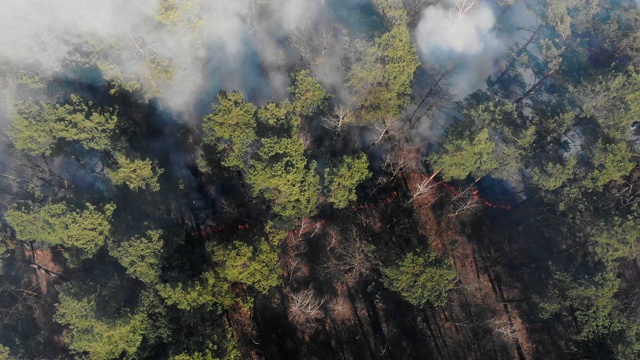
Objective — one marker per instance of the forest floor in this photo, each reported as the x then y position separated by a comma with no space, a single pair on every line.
47,269
328,307
476,282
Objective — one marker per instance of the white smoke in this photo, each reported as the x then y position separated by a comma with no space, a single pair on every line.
446,32
460,33
235,45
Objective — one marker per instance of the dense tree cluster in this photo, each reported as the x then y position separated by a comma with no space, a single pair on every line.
326,224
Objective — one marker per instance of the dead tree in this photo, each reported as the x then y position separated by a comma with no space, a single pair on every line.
391,126
16,302
305,306
465,203
352,258
399,161
461,7
437,93
426,186
340,117
311,47
504,327
464,6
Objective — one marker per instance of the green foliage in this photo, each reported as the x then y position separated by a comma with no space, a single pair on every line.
194,294
141,256
4,353
612,102
38,128
283,175
97,337
236,263
617,241
221,348
257,266
393,10
627,347
420,279
135,72
308,94
158,68
280,118
136,174
180,13
61,224
231,127
463,157
612,163
343,180
554,175
489,139
591,299
382,79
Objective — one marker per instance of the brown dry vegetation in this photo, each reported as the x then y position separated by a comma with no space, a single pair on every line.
332,305
476,284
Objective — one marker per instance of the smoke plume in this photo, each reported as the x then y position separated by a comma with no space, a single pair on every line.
211,45
460,33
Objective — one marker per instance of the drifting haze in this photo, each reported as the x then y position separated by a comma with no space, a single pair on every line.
211,44
465,38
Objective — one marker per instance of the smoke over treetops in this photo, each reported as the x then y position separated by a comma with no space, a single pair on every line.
462,27
460,33
191,46
184,51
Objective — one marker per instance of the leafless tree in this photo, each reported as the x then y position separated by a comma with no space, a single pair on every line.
391,126
400,160
426,186
340,117
352,259
305,306
436,96
15,302
294,269
503,326
462,7
311,43
465,203
305,139
339,305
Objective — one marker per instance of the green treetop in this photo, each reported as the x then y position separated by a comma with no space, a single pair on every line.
591,299
553,175
38,128
382,79
141,256
231,127
279,118
488,139
342,180
612,162
611,102
283,175
136,174
463,157
236,263
420,279
180,13
4,353
101,339
61,224
257,266
308,94
205,291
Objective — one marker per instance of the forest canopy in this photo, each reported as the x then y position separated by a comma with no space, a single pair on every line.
358,179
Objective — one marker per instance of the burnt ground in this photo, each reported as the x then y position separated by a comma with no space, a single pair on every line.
333,262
